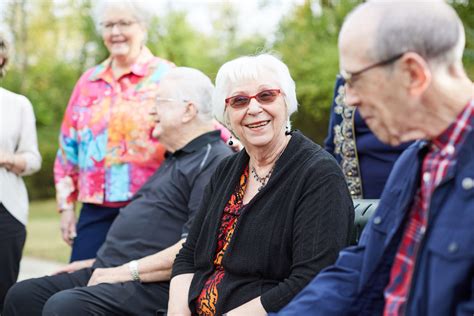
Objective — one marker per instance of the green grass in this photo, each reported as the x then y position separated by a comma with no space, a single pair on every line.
43,235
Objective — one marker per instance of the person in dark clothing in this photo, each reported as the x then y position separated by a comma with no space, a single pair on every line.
131,272
365,161
402,62
273,215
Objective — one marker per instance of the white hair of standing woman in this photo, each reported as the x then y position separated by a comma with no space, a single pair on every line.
252,68
142,10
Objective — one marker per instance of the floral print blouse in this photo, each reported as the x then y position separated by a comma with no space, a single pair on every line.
106,152
207,300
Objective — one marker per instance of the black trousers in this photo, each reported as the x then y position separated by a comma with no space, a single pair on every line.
68,294
12,240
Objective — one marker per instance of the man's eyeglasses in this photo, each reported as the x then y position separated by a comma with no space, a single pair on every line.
160,99
263,97
121,25
349,76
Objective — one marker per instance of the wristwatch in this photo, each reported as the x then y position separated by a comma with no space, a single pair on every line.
133,267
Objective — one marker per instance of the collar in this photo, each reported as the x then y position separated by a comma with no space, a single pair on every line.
140,68
196,144
448,140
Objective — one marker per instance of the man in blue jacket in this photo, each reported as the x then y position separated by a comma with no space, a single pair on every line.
402,64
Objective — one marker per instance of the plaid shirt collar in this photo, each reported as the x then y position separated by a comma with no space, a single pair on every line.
452,138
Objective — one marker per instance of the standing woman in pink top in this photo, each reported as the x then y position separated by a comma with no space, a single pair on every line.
19,156
105,150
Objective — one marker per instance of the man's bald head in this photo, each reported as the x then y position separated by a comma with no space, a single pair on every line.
358,31
403,69
383,29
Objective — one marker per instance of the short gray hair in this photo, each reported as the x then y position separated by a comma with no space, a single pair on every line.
140,9
251,68
4,53
431,29
194,86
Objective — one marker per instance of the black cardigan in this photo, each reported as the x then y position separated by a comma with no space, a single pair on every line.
286,234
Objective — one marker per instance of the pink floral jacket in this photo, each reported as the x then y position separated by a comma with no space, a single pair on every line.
106,151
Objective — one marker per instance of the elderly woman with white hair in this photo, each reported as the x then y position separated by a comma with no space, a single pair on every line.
273,215
19,156
106,152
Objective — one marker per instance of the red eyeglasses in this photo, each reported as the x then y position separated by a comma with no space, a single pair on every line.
263,97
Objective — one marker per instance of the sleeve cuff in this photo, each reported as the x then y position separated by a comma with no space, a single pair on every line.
274,300
181,270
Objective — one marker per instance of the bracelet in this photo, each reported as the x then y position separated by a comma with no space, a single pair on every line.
133,267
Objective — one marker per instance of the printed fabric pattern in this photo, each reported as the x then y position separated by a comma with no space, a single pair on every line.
207,300
440,158
106,152
345,144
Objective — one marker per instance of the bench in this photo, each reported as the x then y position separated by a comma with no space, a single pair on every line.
363,209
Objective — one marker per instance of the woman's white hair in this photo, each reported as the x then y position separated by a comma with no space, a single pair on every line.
140,9
252,68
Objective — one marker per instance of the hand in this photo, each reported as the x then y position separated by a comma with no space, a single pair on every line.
74,266
68,226
110,275
6,159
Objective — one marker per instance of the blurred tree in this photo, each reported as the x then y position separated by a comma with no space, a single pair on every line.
465,9
307,42
45,66
93,51
173,38
17,20
55,41
230,43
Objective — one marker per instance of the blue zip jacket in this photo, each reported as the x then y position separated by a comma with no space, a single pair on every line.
443,280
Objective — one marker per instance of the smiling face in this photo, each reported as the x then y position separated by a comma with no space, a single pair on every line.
258,125
122,33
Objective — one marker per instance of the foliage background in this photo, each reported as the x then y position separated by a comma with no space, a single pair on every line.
55,41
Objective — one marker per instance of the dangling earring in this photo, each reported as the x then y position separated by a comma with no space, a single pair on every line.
287,130
230,142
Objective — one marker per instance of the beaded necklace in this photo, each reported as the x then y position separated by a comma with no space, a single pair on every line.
262,180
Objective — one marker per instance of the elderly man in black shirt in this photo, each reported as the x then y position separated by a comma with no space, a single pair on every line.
131,272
